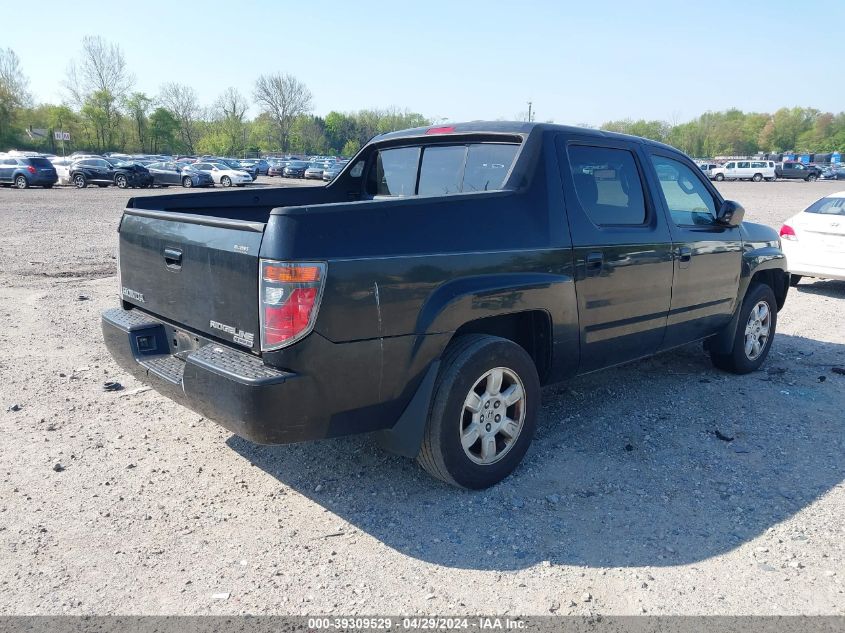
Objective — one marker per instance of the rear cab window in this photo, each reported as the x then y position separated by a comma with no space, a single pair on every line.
440,169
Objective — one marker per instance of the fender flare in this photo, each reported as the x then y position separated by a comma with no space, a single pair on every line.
753,261
459,302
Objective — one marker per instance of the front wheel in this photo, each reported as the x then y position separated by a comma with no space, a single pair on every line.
21,182
187,182
483,412
719,177
756,329
226,181
121,181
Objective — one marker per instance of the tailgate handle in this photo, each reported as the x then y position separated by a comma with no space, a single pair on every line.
173,257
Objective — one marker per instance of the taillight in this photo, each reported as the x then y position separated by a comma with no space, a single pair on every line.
31,169
788,233
289,296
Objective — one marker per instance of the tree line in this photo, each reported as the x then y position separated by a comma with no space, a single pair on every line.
737,133
102,112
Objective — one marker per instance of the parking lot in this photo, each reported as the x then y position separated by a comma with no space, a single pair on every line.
663,486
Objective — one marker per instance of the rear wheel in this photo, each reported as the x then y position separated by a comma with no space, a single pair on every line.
757,323
757,177
187,182
226,181
719,177
79,181
21,182
794,279
483,412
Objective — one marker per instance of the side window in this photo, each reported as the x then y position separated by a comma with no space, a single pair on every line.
9,161
394,172
743,165
686,197
487,165
441,170
730,166
608,185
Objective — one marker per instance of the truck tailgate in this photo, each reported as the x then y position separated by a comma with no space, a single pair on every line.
197,272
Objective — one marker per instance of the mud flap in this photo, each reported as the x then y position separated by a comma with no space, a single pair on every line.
405,437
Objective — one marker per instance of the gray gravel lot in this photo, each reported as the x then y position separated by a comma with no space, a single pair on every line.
628,502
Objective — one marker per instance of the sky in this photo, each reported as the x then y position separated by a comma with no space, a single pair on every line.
583,63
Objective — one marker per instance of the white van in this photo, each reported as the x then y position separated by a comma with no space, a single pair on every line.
755,170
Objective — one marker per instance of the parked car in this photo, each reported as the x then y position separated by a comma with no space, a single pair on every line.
25,171
330,173
295,169
223,174
234,163
262,165
175,174
756,170
833,173
814,240
101,172
793,170
314,171
277,168
707,168
392,300
62,166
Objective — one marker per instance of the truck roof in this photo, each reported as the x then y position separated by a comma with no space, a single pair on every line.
521,128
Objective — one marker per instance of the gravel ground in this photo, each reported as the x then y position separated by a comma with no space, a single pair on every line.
629,502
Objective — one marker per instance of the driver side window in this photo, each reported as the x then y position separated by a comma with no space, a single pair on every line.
688,200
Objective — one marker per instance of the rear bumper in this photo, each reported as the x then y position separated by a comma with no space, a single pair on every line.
235,389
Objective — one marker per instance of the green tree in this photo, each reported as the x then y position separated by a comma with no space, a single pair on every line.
14,95
164,126
138,106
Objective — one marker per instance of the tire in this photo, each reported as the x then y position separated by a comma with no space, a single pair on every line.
469,370
757,178
751,327
79,181
187,183
226,181
811,178
21,182
121,181
719,177
793,280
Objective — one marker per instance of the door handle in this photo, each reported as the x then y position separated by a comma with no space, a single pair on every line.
173,257
684,255
594,263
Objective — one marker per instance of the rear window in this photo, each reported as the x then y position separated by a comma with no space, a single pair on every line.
438,170
828,206
41,163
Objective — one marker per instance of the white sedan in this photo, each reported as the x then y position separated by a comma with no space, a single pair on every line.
223,174
814,240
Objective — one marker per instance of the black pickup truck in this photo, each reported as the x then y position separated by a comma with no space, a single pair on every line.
430,290
794,170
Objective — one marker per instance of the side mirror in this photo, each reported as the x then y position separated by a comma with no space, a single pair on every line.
730,213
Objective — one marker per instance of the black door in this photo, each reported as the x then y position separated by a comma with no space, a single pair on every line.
622,250
708,255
